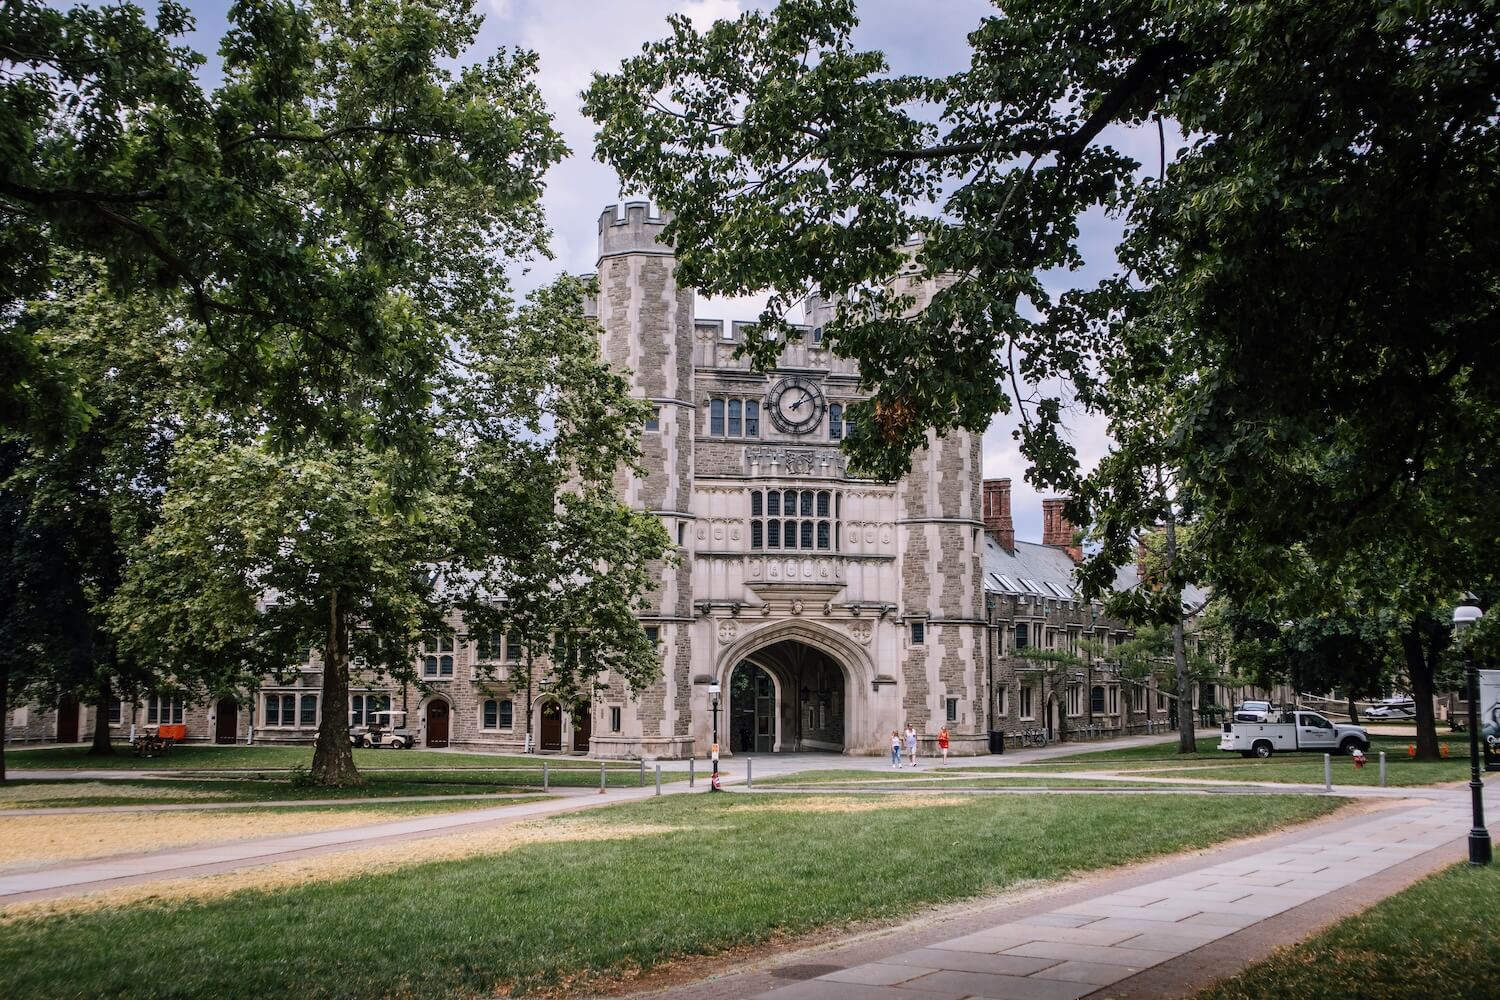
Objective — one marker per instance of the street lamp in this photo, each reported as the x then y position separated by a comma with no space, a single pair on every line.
713,695
1465,615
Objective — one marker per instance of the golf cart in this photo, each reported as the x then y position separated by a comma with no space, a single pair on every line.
387,730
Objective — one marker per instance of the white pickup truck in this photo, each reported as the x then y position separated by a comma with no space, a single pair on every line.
1297,730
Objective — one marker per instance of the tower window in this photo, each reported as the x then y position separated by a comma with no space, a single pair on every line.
653,422
835,421
794,519
734,417
918,633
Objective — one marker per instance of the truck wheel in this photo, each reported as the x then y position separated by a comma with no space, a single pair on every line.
1262,749
1351,744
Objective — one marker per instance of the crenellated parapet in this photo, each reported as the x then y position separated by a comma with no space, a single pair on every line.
635,230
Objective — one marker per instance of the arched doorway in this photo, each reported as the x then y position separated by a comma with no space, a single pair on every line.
226,720
583,717
788,696
437,723
551,726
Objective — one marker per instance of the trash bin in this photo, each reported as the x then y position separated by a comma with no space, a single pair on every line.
997,742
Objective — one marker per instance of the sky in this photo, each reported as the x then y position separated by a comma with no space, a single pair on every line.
575,38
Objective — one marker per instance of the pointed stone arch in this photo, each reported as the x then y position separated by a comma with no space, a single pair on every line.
852,659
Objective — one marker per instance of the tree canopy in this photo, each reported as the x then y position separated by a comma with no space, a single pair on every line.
1305,289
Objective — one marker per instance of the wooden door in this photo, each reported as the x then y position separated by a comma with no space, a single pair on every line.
437,723
583,726
67,721
552,726
226,720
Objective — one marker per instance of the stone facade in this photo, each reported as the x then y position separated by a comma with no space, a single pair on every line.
872,617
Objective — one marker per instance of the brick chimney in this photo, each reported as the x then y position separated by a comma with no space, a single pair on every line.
997,522
1056,531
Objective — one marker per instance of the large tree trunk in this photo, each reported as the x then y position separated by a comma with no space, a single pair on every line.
1353,710
1187,733
4,714
102,745
333,756
1421,673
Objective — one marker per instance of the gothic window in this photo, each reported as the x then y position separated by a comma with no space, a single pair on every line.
653,422
803,520
835,421
736,418
437,656
1096,699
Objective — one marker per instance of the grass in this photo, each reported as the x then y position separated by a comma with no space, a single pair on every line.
1435,939
1289,768
56,794
720,872
269,786
939,779
273,758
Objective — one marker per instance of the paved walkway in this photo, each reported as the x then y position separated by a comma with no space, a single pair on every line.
1144,936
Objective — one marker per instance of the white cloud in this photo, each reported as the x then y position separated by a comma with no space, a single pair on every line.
705,12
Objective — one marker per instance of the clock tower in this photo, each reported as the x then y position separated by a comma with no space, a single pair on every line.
825,610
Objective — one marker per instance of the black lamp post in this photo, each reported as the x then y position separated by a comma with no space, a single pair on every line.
713,695
1464,616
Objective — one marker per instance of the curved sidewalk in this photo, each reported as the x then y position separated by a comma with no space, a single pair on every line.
1163,928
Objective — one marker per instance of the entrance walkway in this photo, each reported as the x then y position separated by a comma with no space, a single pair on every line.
1164,929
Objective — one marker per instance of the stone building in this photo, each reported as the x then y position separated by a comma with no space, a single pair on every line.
1032,604
826,610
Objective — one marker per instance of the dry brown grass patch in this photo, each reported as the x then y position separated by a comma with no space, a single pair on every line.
850,803
32,840
334,867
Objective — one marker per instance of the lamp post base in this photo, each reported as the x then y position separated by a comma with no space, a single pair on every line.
1479,847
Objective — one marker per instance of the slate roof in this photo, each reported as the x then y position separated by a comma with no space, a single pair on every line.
1035,570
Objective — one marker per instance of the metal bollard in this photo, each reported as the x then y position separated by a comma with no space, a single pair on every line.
601,777
643,772
749,779
658,779
1382,769
544,776
691,762
1327,772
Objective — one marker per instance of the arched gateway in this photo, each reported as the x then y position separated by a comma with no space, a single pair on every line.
794,687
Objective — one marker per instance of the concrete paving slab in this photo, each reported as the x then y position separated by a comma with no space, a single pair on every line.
992,987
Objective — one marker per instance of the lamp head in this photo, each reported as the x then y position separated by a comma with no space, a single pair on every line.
1466,614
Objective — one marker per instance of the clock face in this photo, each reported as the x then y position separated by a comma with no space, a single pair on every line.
796,404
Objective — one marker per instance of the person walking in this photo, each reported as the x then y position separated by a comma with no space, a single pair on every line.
943,742
911,745
895,748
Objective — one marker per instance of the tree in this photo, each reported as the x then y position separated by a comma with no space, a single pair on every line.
75,504
1323,250
341,164
345,547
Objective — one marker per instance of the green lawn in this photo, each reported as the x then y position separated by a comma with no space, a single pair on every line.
1291,768
266,786
1437,939
936,778
54,794
731,870
274,758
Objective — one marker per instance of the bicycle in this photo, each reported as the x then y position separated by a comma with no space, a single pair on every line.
1033,737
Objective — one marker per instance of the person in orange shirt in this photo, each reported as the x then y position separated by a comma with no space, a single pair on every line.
943,741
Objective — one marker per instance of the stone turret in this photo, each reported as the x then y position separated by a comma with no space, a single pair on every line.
647,321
